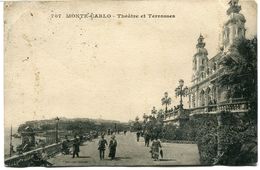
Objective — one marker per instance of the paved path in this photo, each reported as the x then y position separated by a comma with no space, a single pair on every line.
131,153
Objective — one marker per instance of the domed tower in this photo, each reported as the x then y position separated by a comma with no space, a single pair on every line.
234,28
200,61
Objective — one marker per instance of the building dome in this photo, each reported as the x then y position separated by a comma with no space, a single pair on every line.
238,17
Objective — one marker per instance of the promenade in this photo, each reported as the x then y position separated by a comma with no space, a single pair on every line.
130,153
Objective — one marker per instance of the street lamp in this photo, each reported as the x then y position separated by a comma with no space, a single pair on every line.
180,91
57,126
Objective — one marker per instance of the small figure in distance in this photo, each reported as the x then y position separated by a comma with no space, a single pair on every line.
76,144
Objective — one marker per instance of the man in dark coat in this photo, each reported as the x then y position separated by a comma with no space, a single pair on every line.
138,135
76,144
146,139
102,147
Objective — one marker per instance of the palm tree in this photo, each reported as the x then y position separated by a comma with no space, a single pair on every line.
145,117
154,111
166,101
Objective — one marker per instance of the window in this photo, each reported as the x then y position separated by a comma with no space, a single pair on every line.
215,66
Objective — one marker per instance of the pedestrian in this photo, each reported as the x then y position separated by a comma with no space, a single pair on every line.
155,149
112,147
125,132
146,139
102,147
138,135
76,144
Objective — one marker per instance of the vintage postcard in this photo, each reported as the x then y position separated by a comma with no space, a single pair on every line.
130,83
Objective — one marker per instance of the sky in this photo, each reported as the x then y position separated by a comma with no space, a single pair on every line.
113,68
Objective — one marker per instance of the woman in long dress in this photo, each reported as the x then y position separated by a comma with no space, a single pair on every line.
156,145
112,147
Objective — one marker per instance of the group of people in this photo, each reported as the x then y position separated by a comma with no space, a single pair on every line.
102,147
156,151
75,146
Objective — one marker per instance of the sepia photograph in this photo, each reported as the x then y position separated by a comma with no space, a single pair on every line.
130,83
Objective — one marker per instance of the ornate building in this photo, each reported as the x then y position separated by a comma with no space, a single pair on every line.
204,90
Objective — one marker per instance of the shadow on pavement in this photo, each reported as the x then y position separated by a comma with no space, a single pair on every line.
119,158
167,159
84,157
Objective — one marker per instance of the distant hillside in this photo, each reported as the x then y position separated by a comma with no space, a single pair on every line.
74,125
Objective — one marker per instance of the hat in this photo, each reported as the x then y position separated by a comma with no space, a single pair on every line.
113,136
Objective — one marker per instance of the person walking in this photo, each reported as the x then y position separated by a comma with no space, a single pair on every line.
112,147
76,144
138,135
102,147
146,139
155,149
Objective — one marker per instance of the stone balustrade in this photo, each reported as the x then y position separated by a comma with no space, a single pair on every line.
17,160
51,150
240,106
235,106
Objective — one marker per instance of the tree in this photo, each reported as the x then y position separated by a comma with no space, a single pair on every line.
137,124
166,101
240,76
160,115
145,118
240,66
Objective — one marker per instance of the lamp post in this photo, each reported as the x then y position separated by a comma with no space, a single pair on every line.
11,144
180,91
57,126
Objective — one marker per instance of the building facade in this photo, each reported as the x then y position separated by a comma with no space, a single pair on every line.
204,90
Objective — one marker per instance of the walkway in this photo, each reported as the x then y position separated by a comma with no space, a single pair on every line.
131,153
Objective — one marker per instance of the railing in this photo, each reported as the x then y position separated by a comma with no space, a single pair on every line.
238,106
241,106
179,141
51,150
177,114
18,160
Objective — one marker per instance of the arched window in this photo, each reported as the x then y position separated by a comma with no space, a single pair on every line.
193,100
215,66
214,95
195,64
202,75
208,96
227,33
202,98
207,71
